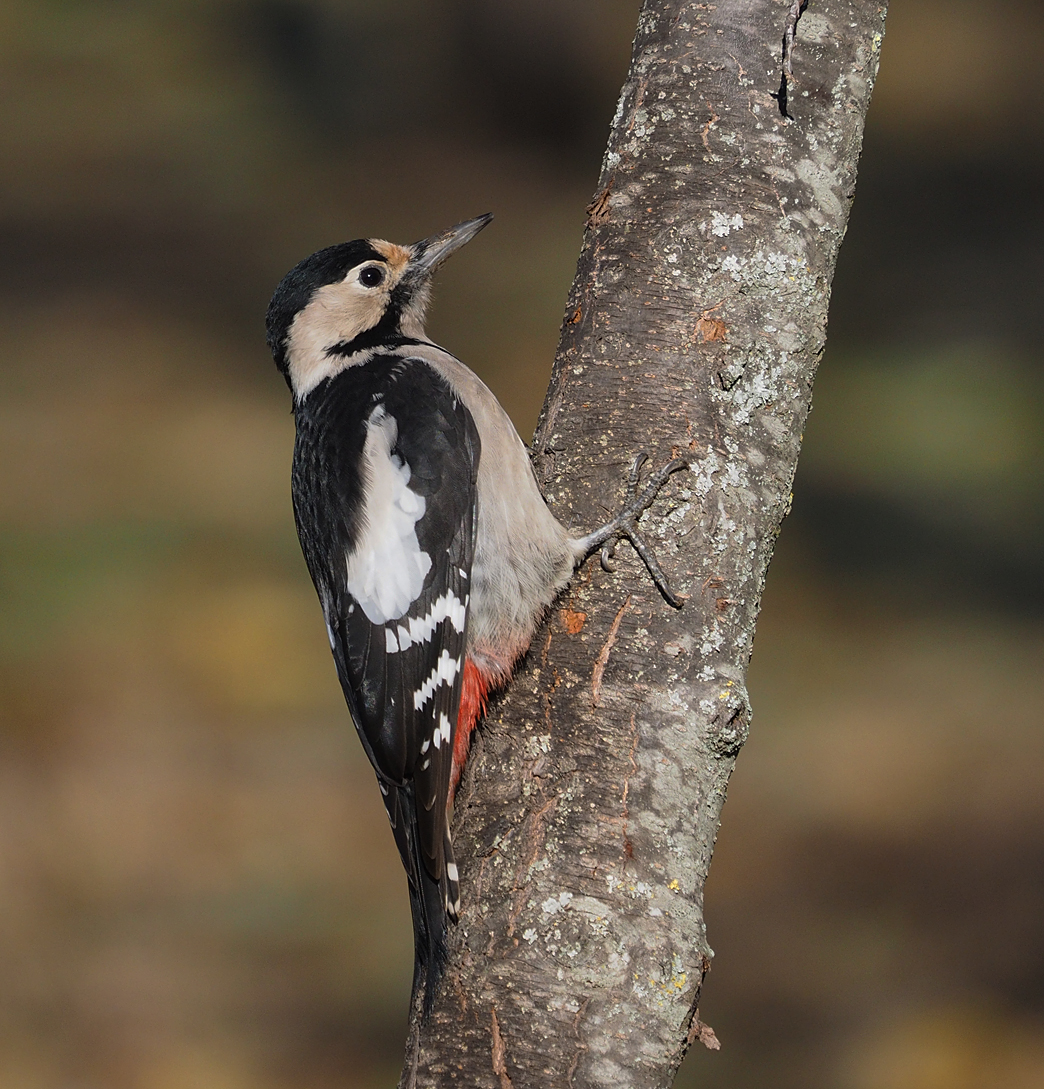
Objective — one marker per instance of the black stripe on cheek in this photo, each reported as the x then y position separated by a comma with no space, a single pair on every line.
374,338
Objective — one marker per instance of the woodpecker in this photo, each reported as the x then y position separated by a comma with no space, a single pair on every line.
432,551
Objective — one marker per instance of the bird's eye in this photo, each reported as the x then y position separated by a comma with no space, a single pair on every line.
371,276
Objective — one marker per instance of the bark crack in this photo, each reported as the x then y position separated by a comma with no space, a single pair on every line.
535,835
786,77
603,655
581,1047
499,1049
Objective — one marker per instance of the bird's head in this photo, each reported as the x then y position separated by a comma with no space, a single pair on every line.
352,297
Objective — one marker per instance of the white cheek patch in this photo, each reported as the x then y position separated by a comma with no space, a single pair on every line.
336,314
445,670
420,630
387,568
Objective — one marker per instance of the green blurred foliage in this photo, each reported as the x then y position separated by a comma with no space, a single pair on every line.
197,886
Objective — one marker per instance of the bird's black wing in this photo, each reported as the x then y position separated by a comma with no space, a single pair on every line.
384,482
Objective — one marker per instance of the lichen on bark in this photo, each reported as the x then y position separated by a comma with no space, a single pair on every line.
587,817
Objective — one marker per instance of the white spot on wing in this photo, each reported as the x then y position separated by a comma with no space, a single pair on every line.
445,670
451,871
445,607
387,568
392,642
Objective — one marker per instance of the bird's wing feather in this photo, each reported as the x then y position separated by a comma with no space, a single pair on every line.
392,566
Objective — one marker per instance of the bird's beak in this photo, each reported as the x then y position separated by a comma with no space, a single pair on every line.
429,253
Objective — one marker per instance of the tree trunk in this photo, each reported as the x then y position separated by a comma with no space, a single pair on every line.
588,813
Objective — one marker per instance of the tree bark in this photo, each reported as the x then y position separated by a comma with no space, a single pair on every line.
588,814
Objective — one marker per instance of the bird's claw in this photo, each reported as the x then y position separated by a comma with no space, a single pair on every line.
625,524
608,551
636,472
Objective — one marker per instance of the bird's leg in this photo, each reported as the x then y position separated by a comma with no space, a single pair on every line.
625,524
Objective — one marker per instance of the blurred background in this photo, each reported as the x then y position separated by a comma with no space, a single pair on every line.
197,884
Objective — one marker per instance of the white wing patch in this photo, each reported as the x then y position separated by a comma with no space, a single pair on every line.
420,630
387,568
445,670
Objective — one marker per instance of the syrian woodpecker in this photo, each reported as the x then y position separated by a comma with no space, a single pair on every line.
431,548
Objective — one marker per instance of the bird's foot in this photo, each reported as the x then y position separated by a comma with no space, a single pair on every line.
625,524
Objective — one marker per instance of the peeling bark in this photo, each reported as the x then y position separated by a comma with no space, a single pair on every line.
588,813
